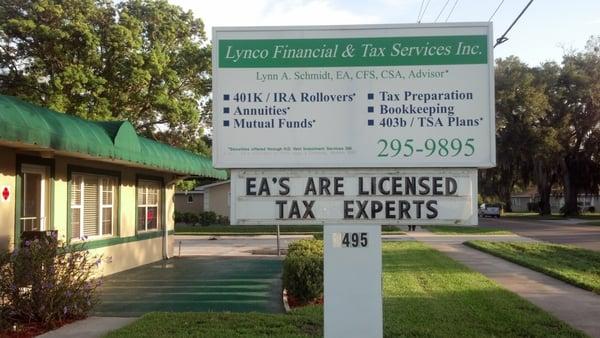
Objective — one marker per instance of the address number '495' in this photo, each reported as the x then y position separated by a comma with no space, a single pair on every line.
353,239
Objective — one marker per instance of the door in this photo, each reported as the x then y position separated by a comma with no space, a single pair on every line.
34,197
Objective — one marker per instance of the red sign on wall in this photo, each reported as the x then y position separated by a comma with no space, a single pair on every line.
5,194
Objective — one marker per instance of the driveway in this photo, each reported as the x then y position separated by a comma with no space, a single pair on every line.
554,231
236,284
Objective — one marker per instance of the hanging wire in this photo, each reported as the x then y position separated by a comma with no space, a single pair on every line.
497,8
424,11
452,10
440,13
420,10
503,38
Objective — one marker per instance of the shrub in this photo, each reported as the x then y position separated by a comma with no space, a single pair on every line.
592,209
533,206
178,217
389,228
303,269
203,218
186,217
192,218
47,282
306,247
222,220
303,277
207,218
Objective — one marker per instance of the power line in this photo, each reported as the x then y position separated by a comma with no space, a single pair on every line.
452,10
440,13
497,8
420,10
424,10
503,38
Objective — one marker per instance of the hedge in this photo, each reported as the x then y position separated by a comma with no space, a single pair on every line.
303,269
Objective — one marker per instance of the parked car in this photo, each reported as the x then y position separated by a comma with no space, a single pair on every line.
490,210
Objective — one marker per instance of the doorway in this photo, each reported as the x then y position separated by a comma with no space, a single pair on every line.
35,188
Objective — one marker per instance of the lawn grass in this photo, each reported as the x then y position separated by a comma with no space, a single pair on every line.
425,294
530,215
248,230
464,230
535,216
595,223
577,266
305,322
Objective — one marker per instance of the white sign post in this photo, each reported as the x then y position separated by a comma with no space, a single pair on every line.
353,127
352,270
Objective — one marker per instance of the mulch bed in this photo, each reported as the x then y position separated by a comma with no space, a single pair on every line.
32,329
295,302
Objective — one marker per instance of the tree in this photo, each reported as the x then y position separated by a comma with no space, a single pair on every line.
548,127
520,105
577,119
142,60
547,149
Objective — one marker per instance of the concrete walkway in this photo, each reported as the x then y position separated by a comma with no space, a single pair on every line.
577,307
232,246
567,231
90,327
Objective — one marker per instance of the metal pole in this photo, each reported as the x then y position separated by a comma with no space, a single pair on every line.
179,248
278,251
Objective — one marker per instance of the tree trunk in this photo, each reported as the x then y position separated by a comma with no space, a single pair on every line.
570,190
504,195
544,192
544,188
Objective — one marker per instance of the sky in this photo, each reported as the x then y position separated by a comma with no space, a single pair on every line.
546,30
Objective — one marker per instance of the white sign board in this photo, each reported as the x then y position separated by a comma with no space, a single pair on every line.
354,96
354,196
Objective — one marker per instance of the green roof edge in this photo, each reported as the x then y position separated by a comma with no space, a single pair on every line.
31,124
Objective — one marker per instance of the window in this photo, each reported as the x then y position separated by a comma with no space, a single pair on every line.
149,206
190,199
93,201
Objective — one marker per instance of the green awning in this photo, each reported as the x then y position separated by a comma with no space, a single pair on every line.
30,124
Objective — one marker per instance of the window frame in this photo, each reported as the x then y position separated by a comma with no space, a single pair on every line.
161,205
115,206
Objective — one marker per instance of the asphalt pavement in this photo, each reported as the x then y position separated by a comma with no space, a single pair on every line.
568,231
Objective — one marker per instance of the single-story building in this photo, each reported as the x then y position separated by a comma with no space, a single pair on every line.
214,197
521,202
189,201
97,182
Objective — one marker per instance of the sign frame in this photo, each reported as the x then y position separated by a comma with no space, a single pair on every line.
218,118
239,199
